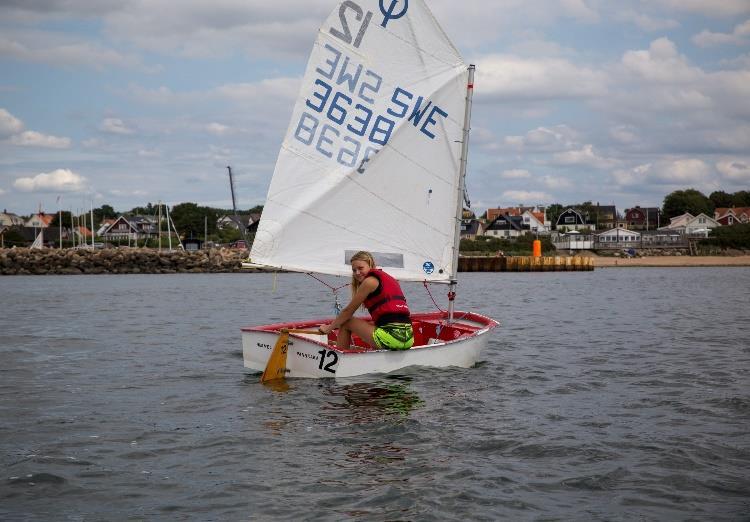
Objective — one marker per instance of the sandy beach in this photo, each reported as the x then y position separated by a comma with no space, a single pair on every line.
672,261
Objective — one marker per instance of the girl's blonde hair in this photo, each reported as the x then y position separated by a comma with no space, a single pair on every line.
361,256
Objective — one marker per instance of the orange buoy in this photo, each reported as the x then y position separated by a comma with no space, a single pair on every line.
537,249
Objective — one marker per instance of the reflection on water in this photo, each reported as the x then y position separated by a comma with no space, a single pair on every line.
370,402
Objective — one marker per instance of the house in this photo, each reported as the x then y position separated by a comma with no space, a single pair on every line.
240,223
135,227
732,216
9,219
494,213
506,227
642,218
50,235
536,222
39,220
571,219
618,237
690,225
602,217
471,228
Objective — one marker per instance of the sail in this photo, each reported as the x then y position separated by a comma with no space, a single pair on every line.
370,160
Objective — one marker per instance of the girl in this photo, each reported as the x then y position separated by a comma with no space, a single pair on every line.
382,296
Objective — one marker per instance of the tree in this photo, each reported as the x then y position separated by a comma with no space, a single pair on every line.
721,199
553,212
66,222
741,199
691,200
104,212
190,219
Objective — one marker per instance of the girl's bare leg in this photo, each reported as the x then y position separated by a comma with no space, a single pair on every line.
362,328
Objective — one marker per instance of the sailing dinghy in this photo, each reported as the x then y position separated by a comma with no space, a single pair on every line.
374,159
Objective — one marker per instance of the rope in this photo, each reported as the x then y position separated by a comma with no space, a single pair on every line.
334,289
430,294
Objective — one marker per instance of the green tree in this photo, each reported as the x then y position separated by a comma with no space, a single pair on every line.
104,212
741,199
721,199
189,218
65,219
689,200
553,212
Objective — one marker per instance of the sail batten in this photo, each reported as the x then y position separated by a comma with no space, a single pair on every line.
371,158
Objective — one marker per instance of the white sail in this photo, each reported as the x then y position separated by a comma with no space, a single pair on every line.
370,160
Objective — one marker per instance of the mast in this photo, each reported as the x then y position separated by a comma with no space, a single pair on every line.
240,226
460,190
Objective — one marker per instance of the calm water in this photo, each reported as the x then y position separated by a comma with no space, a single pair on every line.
620,394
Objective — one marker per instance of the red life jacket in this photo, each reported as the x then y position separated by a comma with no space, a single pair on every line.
387,303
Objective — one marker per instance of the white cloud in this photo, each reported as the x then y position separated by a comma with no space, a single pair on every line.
2,192
661,63
583,156
217,129
636,175
683,171
740,36
115,126
67,54
624,134
559,137
506,77
37,139
60,180
735,169
556,182
526,196
709,7
9,124
515,174
148,153
579,10
646,22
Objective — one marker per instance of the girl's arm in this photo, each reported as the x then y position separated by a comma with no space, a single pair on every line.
365,289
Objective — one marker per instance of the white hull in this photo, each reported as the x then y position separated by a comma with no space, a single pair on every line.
310,355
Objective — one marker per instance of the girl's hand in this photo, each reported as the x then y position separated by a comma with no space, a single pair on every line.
324,329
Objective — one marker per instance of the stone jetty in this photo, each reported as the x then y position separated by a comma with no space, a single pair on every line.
25,261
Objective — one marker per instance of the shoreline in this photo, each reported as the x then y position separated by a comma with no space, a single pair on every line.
671,261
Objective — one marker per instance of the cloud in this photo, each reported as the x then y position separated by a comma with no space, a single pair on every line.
60,180
68,54
735,169
579,10
676,172
583,156
556,182
740,36
2,192
37,139
646,22
9,124
712,8
217,129
515,174
115,126
559,137
661,63
506,77
525,196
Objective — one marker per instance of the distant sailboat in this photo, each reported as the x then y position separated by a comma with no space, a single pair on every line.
374,159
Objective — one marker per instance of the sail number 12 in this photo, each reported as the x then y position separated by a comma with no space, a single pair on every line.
329,354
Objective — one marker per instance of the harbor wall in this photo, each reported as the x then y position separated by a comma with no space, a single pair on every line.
25,261
525,264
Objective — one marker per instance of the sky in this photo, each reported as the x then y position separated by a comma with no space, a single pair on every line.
125,102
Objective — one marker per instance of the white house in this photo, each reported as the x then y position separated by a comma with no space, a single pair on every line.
619,237
531,220
690,225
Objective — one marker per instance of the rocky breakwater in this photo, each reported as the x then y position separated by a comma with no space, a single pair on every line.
24,261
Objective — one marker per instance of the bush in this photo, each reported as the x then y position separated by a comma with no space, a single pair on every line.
521,246
735,236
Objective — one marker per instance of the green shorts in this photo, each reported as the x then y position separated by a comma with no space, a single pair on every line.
394,336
